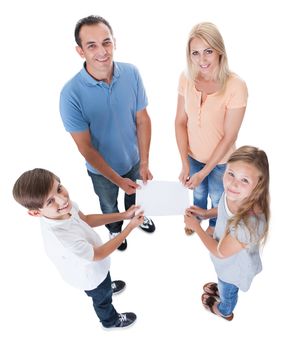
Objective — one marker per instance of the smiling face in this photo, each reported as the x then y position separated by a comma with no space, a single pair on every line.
57,205
204,58
97,46
239,181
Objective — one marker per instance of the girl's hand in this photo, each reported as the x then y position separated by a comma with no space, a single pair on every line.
191,222
130,213
184,175
197,211
136,220
194,181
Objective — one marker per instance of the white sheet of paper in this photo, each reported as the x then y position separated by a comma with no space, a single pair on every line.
162,198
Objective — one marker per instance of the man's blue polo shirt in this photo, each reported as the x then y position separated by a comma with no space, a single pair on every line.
108,111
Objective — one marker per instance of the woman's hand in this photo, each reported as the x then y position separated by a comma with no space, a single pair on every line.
184,175
194,181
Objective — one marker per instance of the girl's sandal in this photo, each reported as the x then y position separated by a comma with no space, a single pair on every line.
211,288
188,231
208,302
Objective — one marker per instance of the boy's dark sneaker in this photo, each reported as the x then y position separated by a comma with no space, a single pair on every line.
117,286
148,225
125,319
123,245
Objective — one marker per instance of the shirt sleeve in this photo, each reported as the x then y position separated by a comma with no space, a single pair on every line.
181,84
71,113
142,100
238,94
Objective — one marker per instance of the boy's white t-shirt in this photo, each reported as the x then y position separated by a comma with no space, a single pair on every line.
69,244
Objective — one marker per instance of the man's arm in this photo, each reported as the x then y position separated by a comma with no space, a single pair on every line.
144,137
93,157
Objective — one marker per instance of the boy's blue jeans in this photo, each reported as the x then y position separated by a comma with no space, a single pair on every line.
228,297
108,192
102,302
211,186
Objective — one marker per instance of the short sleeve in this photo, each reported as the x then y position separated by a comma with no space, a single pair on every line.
182,84
242,232
76,245
142,100
238,93
70,112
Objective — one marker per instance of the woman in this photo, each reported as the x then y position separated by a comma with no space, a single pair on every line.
211,105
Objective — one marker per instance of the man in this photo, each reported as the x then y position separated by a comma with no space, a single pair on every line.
103,107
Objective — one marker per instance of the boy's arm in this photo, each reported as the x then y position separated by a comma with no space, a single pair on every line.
106,249
95,220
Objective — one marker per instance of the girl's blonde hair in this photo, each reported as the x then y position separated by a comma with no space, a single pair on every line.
209,33
259,199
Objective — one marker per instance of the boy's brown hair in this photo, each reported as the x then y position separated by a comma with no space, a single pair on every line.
32,188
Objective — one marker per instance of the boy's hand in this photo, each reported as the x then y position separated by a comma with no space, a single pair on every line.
130,213
194,210
190,221
137,220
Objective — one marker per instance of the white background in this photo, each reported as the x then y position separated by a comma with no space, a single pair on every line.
164,271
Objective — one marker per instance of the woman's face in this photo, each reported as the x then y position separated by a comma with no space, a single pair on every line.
204,58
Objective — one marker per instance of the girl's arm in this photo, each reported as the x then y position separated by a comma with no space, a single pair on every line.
203,213
228,247
95,220
233,120
182,139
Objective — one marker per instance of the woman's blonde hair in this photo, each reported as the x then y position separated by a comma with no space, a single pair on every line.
209,33
259,199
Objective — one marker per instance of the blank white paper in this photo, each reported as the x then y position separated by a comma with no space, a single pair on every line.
162,198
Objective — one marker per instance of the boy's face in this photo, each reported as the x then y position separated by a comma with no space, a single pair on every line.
57,206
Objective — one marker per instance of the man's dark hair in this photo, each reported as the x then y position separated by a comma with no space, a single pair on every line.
89,21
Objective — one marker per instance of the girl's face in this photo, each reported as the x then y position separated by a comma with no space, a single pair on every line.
239,180
205,58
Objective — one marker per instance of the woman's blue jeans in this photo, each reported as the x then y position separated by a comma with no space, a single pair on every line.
211,186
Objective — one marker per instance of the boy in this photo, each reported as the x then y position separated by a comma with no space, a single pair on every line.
71,243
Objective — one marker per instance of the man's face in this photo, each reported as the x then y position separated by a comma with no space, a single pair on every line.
97,49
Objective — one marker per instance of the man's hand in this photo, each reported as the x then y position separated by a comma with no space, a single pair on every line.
128,186
145,173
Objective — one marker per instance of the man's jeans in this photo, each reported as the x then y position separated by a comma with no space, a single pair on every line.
108,195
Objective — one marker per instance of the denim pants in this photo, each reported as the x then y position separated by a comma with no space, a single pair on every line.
228,294
211,186
102,302
108,192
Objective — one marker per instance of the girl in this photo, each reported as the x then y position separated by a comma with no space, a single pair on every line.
241,228
211,106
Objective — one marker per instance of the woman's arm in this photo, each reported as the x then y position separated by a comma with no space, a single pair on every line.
182,138
233,120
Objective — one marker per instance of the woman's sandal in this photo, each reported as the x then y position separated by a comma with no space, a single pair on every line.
211,288
208,302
